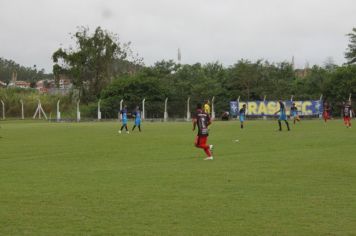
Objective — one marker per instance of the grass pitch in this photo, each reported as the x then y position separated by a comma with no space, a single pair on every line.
86,179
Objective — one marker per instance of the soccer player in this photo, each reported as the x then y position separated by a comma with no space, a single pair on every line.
123,113
326,112
207,107
347,113
294,113
202,120
242,115
282,115
137,115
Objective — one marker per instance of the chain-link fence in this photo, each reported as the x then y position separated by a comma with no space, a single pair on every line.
177,109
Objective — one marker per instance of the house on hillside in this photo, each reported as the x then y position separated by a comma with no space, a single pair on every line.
22,84
65,83
44,86
18,84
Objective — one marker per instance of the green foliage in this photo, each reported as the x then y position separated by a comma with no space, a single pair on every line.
132,89
313,84
249,80
350,53
342,83
7,67
102,68
30,97
94,61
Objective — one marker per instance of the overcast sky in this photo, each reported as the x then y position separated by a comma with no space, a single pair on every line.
205,30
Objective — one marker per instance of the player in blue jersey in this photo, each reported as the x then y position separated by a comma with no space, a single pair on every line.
137,115
294,113
282,115
242,115
123,113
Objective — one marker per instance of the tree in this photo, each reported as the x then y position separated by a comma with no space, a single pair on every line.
342,83
350,53
132,89
30,74
315,82
243,79
92,63
329,64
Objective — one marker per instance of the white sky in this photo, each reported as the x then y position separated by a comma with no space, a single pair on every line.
205,30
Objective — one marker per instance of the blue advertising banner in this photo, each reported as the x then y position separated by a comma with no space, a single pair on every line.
268,108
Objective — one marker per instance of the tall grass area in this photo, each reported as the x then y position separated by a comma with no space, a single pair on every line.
86,179
30,97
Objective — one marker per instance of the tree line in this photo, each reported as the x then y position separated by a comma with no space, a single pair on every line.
245,79
29,74
101,67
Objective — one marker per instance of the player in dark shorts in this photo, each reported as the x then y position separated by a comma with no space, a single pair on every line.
137,115
123,113
242,115
326,112
294,113
202,120
347,113
282,115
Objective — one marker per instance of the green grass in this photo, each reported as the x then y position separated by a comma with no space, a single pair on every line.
85,179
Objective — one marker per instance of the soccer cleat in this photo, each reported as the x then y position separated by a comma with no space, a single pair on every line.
127,132
209,158
119,131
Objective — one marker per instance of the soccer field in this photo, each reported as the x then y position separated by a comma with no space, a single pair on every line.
86,179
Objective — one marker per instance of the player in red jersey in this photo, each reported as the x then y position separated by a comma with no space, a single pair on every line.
347,112
326,112
202,120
